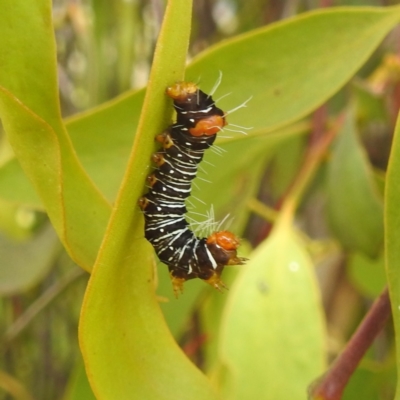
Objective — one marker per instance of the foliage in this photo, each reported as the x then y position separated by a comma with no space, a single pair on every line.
267,337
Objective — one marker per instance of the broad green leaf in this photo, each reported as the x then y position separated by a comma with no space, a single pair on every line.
135,344
355,208
272,342
29,110
392,239
25,263
16,188
103,139
291,67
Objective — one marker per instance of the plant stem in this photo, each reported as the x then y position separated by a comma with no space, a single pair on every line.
319,143
331,385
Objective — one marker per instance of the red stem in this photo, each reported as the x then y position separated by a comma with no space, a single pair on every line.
331,385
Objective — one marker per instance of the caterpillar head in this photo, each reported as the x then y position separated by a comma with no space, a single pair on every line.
195,110
182,91
223,246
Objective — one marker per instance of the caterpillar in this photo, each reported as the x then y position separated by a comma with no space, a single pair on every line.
183,145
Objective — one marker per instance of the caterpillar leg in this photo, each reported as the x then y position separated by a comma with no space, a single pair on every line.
165,139
212,277
215,281
177,284
178,278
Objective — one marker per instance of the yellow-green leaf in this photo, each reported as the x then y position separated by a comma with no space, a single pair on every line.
29,110
392,239
366,274
291,67
272,342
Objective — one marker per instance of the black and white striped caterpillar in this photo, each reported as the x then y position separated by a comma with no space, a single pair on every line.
183,146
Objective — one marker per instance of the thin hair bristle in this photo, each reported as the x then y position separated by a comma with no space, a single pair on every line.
243,105
216,85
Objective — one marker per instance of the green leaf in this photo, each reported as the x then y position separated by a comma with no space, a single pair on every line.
366,274
355,208
291,67
212,311
25,263
30,114
135,344
392,239
103,139
16,188
272,342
